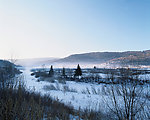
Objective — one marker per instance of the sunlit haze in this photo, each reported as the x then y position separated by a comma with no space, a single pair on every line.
58,28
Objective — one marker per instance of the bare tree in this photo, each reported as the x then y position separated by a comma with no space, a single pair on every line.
13,58
127,100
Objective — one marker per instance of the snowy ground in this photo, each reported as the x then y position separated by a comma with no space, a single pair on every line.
78,95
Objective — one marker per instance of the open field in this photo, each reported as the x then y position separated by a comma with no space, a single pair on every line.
81,95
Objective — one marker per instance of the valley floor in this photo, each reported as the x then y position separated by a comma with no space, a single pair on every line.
77,94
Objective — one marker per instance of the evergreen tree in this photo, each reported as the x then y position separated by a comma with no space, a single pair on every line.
51,72
78,71
63,72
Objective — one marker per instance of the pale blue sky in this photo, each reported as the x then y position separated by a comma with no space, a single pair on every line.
58,28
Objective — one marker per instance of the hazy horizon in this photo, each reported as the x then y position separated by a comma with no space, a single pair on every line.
48,57
79,53
41,29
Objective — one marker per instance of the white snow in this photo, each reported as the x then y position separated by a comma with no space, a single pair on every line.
86,95
79,99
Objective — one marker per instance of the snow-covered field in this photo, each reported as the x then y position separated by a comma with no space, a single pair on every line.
76,97
79,95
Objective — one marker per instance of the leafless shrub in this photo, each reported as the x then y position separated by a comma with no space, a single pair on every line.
86,91
62,81
23,105
94,91
127,100
67,89
49,87
57,86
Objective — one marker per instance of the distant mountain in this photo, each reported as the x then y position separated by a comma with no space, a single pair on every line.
93,58
128,57
139,58
8,70
5,63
